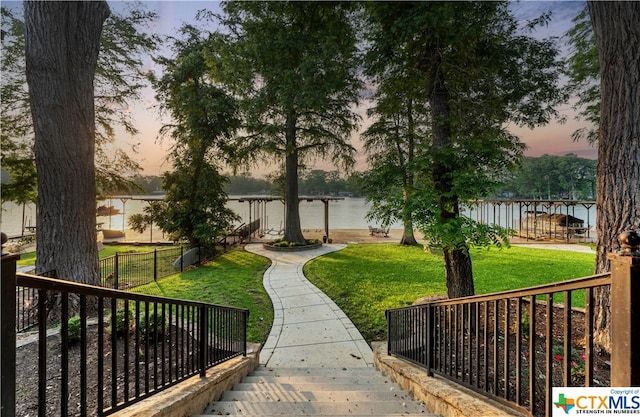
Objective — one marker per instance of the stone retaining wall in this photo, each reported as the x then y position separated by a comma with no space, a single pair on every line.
192,396
439,395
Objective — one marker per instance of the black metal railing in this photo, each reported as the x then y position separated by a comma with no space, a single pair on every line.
512,346
112,348
26,305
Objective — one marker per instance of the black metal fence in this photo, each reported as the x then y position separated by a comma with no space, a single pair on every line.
121,271
128,270
110,348
512,346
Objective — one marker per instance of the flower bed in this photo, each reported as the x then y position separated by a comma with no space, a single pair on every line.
284,246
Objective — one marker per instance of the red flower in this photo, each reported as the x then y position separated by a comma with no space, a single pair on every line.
558,357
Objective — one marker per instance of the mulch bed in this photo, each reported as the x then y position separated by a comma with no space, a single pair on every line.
484,367
138,369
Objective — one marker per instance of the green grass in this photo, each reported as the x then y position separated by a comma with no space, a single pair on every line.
232,279
365,280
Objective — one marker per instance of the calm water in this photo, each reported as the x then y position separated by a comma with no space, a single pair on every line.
348,213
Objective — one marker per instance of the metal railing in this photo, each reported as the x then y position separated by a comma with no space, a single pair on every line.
512,346
111,348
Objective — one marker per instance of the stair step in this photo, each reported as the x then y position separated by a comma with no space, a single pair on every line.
263,371
327,386
423,414
344,408
366,379
316,391
320,396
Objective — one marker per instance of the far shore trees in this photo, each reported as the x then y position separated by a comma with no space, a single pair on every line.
480,74
62,45
293,67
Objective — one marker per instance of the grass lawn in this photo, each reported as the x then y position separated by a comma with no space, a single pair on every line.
232,279
366,279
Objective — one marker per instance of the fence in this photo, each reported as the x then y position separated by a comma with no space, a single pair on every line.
515,346
111,349
128,270
120,271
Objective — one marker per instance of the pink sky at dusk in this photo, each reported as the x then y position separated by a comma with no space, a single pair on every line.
553,139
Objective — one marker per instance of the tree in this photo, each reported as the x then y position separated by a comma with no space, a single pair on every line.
584,76
296,85
551,177
119,81
617,34
480,74
205,119
391,142
62,41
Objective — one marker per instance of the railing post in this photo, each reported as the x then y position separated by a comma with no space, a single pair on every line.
202,351
155,264
625,312
116,272
246,325
181,258
8,333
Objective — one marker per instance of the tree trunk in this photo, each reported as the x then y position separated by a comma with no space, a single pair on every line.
457,260
292,229
457,265
408,237
617,32
62,44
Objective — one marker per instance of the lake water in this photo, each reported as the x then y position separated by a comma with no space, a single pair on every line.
346,213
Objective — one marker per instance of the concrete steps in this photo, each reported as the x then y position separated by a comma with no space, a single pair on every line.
316,391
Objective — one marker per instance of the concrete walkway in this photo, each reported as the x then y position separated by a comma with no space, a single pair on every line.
309,329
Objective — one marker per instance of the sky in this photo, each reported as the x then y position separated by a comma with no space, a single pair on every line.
553,139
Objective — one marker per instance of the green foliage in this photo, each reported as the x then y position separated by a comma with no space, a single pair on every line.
554,177
74,328
576,359
123,322
205,119
152,324
296,86
119,81
366,279
280,243
462,232
584,76
460,72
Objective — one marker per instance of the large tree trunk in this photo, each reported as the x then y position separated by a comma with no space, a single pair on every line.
62,44
617,30
292,229
457,260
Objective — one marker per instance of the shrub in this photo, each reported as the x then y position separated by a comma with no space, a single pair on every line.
123,322
74,329
152,320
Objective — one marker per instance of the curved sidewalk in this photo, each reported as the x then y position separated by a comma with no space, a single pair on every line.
309,329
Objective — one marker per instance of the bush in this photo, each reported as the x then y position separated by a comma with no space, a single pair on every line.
74,329
122,322
153,320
